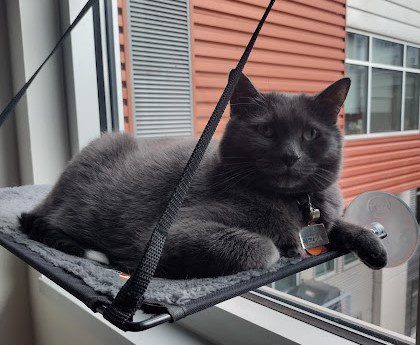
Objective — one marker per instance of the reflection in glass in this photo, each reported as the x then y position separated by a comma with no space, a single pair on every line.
413,57
386,100
286,284
412,96
357,46
356,102
324,268
349,258
386,52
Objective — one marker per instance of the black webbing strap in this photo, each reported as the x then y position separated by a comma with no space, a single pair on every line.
131,296
15,100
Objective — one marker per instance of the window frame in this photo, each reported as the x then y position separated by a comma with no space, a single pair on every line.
369,64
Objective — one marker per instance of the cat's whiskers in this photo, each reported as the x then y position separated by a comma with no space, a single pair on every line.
236,176
239,179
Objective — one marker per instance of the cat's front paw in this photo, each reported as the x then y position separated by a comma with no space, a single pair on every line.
370,250
292,251
259,253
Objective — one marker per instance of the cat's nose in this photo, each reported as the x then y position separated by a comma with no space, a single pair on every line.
290,159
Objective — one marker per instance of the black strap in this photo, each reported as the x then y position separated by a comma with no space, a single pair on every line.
131,296
15,100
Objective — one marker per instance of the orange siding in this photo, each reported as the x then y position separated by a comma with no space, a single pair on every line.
125,66
391,164
300,48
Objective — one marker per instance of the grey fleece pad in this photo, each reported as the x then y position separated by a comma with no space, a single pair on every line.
14,201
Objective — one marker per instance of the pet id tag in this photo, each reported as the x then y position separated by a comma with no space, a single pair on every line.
313,238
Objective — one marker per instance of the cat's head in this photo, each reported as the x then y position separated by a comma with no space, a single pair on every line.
289,142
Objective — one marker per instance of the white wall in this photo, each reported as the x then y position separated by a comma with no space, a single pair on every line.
15,320
63,320
9,175
41,119
398,19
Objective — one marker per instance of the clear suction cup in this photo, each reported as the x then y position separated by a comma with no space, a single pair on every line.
388,217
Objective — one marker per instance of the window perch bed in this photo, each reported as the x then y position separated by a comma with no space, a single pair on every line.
96,285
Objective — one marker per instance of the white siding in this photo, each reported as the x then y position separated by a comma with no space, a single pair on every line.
161,78
398,19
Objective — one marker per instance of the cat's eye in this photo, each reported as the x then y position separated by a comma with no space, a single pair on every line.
266,131
310,134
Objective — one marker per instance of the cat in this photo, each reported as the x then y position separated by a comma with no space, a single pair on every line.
242,209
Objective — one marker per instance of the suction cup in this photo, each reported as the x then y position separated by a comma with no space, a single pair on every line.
390,219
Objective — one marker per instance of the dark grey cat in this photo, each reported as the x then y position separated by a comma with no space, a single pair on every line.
241,212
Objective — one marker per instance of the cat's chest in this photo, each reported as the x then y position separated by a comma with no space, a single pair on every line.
283,213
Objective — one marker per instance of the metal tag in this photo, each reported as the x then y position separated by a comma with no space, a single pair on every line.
314,235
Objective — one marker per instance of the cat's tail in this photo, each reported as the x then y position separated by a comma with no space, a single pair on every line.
39,230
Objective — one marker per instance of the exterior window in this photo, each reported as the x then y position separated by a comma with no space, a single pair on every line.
324,268
386,100
413,57
356,106
287,284
357,47
387,53
412,96
349,258
385,92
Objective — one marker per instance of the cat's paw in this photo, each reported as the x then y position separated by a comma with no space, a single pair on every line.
261,253
370,250
292,251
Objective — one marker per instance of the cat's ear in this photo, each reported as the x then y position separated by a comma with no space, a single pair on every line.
244,91
330,101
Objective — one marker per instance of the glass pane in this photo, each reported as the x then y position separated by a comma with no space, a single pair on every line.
357,46
412,95
386,100
286,284
356,102
386,52
349,258
324,268
413,57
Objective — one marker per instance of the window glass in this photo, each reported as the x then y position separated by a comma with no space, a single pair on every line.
349,258
324,268
386,100
356,102
286,284
386,52
357,47
412,95
413,57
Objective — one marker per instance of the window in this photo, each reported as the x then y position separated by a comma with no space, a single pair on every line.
349,258
387,298
324,268
286,284
385,91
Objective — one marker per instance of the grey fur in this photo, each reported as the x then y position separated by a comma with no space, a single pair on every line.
102,279
241,211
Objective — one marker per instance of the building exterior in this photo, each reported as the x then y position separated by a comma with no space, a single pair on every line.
175,60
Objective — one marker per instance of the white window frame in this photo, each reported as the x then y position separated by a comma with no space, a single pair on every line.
369,64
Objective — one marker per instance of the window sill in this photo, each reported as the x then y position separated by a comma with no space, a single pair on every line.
380,135
236,321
